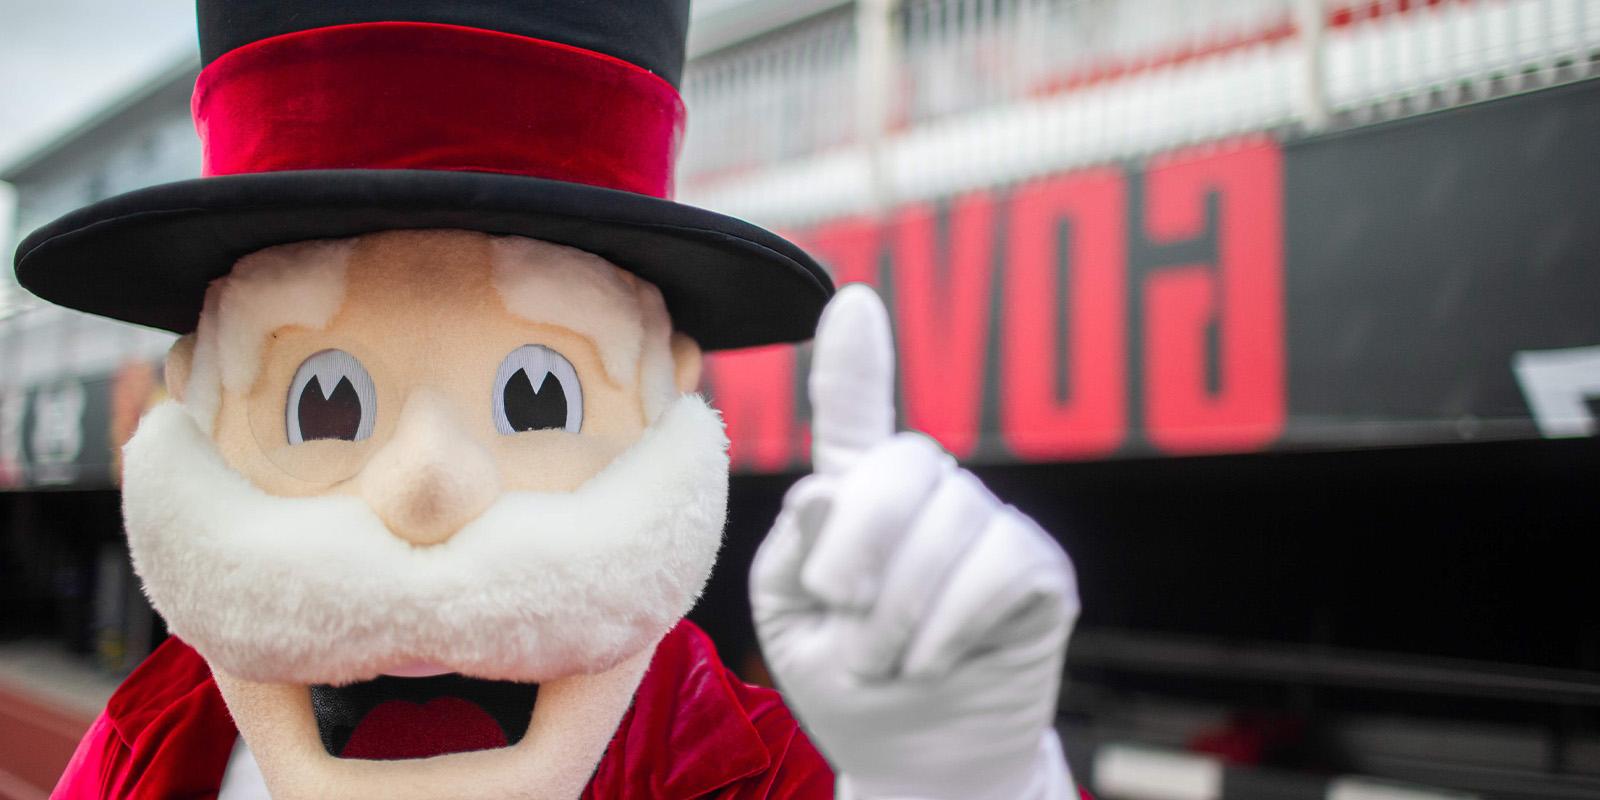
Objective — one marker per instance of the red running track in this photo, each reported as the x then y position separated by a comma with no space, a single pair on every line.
37,738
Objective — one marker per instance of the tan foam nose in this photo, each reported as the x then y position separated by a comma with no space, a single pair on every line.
432,477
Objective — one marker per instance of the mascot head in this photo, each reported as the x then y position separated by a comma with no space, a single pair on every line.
434,483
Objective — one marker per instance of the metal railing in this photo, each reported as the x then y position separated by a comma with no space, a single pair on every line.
794,127
966,54
1395,56
780,98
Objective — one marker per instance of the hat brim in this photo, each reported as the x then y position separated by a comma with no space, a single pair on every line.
147,256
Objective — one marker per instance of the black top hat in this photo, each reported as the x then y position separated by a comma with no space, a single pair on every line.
558,120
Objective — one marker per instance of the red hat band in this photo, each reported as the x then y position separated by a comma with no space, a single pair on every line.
414,95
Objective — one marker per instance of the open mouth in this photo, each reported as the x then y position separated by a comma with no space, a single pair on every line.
392,718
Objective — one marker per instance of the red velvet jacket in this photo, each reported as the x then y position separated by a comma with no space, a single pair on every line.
694,731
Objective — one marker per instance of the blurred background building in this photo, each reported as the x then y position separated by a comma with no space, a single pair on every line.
1285,314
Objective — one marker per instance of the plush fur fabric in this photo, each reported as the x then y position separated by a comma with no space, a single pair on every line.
545,282
292,284
316,589
304,284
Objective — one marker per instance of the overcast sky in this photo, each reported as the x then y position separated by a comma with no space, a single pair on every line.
60,60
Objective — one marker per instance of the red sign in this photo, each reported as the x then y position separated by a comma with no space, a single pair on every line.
1026,333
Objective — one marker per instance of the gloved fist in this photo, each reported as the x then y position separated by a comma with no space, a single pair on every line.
915,623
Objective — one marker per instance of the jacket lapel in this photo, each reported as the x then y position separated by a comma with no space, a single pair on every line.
687,734
174,726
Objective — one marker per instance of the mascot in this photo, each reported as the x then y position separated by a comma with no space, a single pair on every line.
434,492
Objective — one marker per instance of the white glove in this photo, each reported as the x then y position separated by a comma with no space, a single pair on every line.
915,624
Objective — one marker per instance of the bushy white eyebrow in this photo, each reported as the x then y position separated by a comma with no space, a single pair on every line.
553,284
302,283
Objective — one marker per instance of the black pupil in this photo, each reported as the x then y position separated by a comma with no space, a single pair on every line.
530,409
336,416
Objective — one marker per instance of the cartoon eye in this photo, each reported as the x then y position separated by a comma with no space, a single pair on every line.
537,389
331,397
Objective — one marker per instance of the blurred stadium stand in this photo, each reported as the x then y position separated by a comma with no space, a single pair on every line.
1280,312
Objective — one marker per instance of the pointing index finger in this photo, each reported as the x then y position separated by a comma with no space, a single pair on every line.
852,379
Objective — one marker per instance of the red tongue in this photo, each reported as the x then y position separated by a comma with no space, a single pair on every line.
397,729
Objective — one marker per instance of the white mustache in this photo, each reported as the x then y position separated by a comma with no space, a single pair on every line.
317,590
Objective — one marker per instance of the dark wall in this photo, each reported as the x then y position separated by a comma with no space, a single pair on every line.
48,560
1472,551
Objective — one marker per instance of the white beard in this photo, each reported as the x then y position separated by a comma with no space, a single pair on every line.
317,590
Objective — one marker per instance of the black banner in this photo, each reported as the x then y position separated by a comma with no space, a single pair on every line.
1430,257
1427,280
